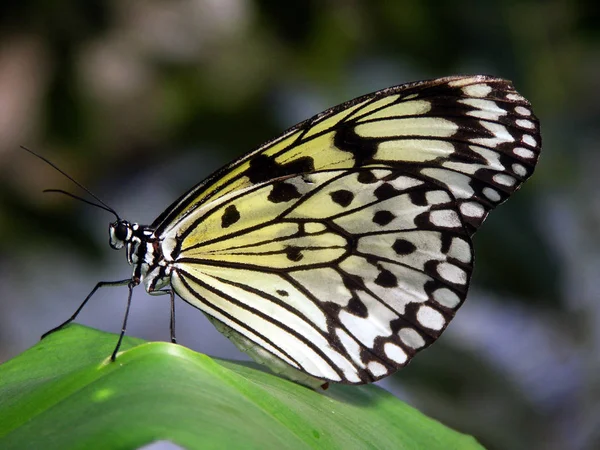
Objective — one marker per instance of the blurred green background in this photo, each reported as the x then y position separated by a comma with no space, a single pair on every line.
140,100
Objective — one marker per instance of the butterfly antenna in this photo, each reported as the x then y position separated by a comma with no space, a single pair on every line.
81,199
100,204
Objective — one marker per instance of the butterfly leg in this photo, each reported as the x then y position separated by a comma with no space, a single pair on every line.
130,285
172,324
171,293
76,313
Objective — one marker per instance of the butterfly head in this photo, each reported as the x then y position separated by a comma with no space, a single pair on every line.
143,251
120,233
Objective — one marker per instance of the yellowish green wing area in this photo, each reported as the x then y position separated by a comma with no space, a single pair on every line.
64,393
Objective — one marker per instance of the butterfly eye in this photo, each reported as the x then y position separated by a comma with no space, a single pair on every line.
121,231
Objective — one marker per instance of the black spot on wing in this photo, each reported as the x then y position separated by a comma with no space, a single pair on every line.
264,168
357,307
282,292
447,242
386,191
230,216
386,279
383,217
283,192
342,197
403,247
366,177
330,309
362,150
353,282
418,197
293,253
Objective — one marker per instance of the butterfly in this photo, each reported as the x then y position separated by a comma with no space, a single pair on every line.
339,250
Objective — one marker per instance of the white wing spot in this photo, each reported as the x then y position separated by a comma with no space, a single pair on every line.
515,97
529,140
351,375
458,183
430,318
522,111
403,182
472,209
484,109
452,273
411,338
395,353
523,152
467,168
525,123
504,179
437,197
491,194
460,249
444,218
377,369
519,170
501,135
492,158
446,297
477,90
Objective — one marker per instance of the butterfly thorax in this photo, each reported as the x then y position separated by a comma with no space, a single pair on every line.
143,252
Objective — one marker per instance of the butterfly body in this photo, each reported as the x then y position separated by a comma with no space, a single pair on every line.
339,250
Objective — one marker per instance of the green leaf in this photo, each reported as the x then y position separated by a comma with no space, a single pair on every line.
64,393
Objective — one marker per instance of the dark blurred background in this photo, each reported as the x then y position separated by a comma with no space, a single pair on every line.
140,100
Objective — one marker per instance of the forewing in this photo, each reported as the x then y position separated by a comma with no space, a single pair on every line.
475,136
344,275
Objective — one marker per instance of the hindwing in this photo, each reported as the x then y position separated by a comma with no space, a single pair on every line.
343,275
